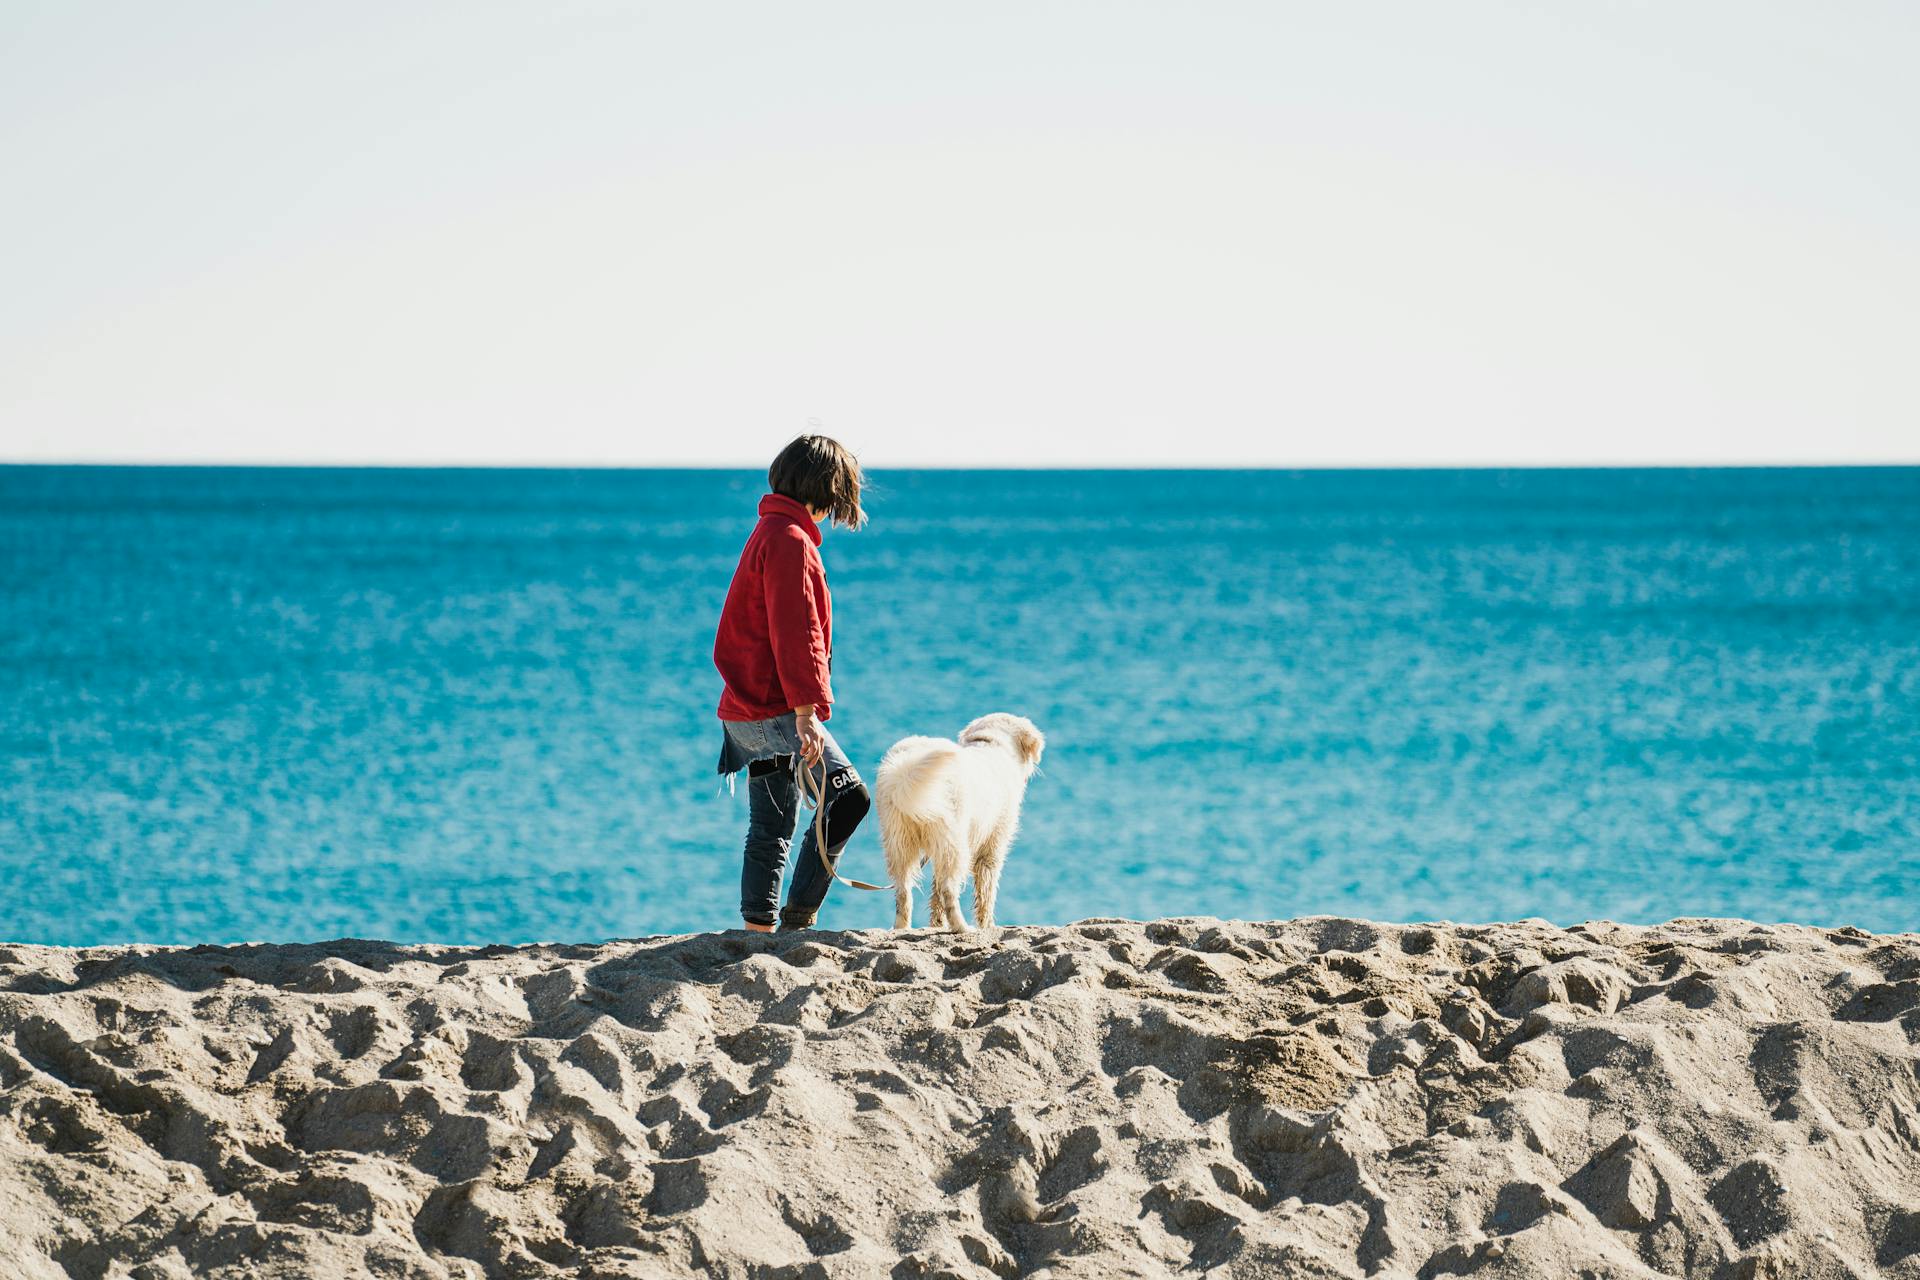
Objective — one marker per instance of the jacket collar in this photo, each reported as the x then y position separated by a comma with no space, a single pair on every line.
779,504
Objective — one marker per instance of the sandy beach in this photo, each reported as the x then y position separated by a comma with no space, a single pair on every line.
1320,1097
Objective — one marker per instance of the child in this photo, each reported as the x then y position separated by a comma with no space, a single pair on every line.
774,649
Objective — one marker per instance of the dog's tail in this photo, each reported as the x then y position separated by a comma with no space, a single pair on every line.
910,776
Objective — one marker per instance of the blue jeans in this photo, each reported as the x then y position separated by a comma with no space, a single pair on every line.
769,750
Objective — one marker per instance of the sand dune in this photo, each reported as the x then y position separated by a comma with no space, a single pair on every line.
1318,1097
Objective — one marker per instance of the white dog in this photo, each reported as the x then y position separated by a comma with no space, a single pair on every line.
956,805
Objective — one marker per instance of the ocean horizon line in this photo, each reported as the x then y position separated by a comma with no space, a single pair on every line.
1261,468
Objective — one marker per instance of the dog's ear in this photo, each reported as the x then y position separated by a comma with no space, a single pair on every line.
1029,742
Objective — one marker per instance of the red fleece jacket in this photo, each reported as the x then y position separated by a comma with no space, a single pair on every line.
776,629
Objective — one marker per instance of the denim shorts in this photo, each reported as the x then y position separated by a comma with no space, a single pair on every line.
744,741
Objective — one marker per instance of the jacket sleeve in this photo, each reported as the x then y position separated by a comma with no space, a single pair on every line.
793,625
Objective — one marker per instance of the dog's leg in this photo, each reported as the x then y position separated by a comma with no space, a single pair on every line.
986,881
906,854
948,894
946,861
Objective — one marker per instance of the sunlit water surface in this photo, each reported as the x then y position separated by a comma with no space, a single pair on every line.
478,705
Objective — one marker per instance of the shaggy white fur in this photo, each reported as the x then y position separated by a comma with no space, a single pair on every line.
955,805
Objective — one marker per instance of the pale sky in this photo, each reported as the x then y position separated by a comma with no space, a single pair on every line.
980,234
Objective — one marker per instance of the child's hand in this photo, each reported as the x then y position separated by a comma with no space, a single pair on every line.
813,739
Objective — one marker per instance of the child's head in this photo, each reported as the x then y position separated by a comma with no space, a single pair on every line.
821,474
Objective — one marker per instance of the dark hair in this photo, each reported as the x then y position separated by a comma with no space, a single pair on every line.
820,472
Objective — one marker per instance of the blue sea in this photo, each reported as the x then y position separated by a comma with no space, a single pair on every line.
477,705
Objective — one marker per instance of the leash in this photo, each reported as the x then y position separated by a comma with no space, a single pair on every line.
817,792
